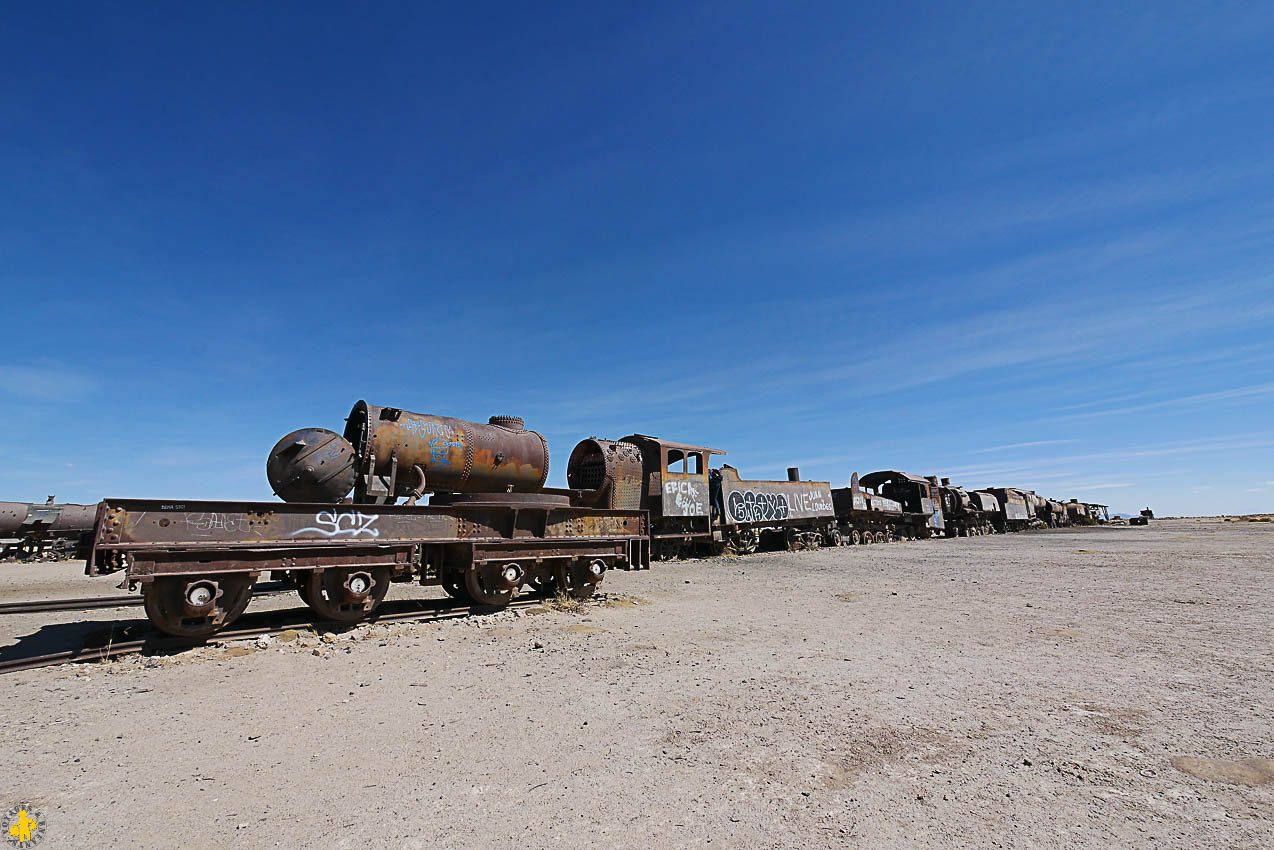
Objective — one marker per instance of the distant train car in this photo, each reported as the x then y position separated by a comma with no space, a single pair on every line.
917,496
1078,514
53,530
962,515
866,517
1013,512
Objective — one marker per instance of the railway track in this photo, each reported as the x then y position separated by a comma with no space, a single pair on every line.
137,636
88,603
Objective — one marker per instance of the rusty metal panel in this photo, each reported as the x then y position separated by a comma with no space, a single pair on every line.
137,526
748,502
593,524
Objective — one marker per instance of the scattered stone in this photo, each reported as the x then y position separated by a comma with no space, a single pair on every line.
264,642
328,637
288,635
581,629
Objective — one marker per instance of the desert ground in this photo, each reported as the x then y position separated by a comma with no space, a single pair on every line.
1104,687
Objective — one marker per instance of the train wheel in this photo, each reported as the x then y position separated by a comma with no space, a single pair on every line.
493,584
196,606
890,537
833,537
669,550
543,584
345,594
302,588
454,586
880,537
855,538
578,580
745,542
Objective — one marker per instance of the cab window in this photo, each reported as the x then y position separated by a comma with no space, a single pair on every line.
676,460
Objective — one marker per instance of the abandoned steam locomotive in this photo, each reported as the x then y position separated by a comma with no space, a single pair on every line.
490,526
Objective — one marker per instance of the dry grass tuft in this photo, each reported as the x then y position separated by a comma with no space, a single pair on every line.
562,601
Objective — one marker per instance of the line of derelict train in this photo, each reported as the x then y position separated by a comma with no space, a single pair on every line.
409,497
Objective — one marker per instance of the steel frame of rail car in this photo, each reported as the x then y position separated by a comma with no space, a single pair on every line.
197,561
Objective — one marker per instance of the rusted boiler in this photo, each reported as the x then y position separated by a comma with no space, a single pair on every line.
388,453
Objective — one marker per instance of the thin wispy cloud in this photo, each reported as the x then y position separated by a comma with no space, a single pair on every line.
1031,444
1181,401
45,382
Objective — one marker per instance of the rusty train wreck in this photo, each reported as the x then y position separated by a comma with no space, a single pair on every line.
399,496
490,527
30,532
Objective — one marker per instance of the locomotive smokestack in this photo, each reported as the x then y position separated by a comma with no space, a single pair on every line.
793,473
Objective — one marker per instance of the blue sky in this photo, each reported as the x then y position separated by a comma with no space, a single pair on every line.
1016,244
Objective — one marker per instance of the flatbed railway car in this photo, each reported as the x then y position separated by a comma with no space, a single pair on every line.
490,527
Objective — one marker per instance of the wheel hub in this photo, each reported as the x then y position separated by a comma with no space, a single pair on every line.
200,595
510,576
358,585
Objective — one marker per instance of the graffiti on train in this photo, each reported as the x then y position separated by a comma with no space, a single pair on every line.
763,506
685,498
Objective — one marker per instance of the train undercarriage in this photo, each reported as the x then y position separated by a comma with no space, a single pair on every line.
196,563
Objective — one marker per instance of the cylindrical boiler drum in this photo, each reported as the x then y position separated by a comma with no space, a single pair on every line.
12,515
454,455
